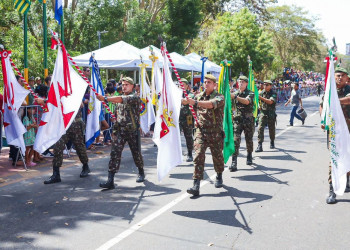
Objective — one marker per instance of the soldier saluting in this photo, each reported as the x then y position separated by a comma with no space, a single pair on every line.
126,129
267,115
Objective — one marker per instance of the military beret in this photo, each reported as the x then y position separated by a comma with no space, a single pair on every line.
243,78
339,69
268,81
183,80
210,77
129,80
31,78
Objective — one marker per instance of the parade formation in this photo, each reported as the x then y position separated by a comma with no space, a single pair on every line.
160,97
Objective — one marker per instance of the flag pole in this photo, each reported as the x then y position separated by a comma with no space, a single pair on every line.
62,27
25,29
46,71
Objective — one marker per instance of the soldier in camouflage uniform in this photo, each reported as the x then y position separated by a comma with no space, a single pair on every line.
126,129
209,133
186,122
341,77
267,115
243,120
76,135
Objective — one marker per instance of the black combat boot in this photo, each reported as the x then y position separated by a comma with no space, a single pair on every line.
259,148
233,167
347,188
85,171
332,196
189,156
110,182
218,181
55,177
141,176
249,159
272,144
195,189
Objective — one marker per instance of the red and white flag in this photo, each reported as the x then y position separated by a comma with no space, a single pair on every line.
64,99
167,131
14,95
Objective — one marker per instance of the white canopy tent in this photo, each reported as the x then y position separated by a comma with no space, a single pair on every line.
211,67
120,56
182,63
145,52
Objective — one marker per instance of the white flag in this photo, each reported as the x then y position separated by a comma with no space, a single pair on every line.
14,95
339,144
167,131
95,106
64,100
147,117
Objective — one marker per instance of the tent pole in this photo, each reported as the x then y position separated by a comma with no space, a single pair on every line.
192,78
135,76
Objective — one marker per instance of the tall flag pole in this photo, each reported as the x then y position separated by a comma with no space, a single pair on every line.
252,87
46,71
339,138
59,17
224,89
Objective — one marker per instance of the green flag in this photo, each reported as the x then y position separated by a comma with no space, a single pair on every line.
224,89
22,6
252,87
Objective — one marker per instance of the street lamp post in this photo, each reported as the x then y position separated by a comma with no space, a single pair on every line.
99,37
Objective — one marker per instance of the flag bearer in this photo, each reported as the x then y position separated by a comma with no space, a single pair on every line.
186,121
243,120
209,133
126,129
341,76
75,134
267,115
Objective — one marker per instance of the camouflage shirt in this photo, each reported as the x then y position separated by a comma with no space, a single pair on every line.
243,110
185,109
211,120
128,112
268,108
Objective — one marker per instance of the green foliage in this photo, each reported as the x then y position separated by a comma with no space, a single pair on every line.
237,36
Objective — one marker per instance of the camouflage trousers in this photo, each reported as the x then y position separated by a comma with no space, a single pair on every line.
215,141
117,148
248,127
271,123
188,133
330,173
75,134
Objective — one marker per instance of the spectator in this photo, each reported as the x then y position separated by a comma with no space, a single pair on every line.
295,100
29,136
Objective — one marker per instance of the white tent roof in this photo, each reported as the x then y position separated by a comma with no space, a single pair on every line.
196,59
120,55
182,63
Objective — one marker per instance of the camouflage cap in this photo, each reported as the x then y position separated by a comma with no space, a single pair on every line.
342,70
243,78
210,77
268,81
183,80
128,79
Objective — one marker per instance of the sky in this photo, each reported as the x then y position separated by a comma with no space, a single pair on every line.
334,18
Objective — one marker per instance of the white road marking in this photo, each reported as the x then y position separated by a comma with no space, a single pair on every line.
112,242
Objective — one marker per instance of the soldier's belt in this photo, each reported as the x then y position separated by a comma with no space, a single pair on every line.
211,130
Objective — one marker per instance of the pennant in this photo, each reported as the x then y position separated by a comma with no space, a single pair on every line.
14,95
224,89
147,117
63,103
334,121
95,111
22,6
167,130
252,87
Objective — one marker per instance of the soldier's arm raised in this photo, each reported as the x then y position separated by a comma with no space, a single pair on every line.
114,99
268,101
202,104
345,100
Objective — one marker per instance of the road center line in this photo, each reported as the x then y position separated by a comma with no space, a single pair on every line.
115,240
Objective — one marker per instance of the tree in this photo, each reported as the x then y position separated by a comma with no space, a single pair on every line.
236,36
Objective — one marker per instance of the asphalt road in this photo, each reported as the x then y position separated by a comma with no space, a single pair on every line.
277,203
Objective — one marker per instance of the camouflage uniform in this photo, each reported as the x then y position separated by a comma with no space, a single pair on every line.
75,134
126,129
243,120
267,116
209,134
187,123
